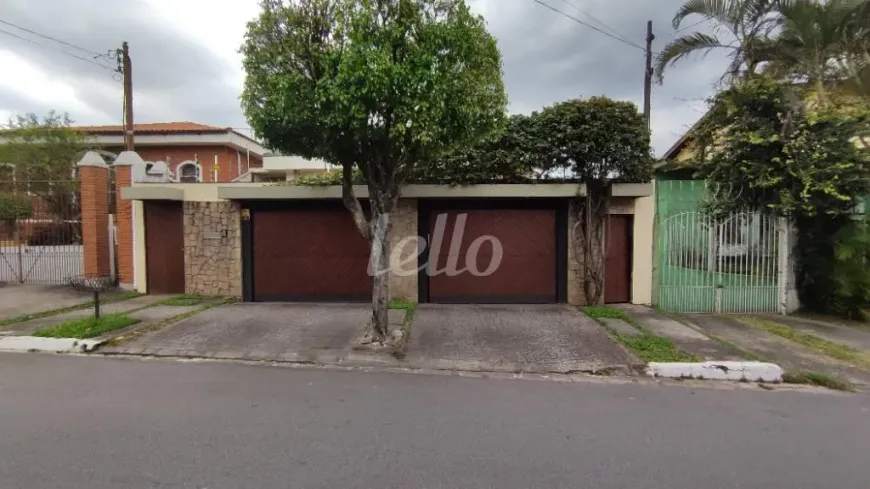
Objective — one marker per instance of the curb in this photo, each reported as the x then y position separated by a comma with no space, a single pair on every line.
54,345
739,371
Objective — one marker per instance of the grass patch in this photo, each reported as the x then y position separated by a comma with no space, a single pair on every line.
819,379
840,352
87,327
410,311
123,296
652,348
647,346
402,305
596,312
185,300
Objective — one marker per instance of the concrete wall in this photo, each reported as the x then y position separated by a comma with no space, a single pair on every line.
212,248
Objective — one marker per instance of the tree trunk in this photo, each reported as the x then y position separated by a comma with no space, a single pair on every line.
380,271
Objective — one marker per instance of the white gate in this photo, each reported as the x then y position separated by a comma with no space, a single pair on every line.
727,265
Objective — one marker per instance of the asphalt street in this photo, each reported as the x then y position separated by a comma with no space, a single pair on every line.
79,422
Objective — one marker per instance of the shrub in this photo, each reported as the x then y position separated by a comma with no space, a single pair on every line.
14,207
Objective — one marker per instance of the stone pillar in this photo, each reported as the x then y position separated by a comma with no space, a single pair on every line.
94,178
123,167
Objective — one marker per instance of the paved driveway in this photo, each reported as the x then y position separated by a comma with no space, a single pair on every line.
261,331
512,338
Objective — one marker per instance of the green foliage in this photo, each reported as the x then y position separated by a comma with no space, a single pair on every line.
851,270
835,350
88,327
605,312
41,155
185,300
764,149
14,207
511,155
384,85
595,140
651,348
824,44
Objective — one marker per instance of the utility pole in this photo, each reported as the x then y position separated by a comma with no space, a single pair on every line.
127,72
647,79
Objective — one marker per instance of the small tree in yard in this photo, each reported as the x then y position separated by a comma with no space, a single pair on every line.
381,85
41,154
598,141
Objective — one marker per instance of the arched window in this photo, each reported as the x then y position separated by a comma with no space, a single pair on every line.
189,172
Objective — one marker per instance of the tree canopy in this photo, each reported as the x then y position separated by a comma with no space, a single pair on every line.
385,86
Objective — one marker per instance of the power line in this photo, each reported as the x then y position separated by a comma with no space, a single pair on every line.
596,20
56,50
50,38
575,19
690,26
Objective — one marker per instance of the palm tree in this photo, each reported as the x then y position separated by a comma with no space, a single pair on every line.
741,27
820,43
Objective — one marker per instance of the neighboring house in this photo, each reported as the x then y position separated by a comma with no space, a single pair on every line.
279,168
192,152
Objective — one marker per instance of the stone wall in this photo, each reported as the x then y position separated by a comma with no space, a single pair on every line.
404,225
576,297
212,248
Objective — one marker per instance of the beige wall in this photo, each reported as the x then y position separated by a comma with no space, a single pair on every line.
642,258
212,248
139,262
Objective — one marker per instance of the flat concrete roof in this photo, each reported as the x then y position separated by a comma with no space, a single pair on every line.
542,190
270,191
152,192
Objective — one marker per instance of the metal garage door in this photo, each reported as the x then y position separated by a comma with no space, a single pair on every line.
308,254
528,269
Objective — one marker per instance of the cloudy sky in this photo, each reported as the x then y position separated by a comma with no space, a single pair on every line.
186,65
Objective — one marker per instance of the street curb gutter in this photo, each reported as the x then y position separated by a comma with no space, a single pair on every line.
739,371
54,345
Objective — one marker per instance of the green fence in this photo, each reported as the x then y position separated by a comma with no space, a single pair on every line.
713,265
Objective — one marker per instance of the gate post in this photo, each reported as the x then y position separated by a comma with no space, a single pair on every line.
94,177
123,167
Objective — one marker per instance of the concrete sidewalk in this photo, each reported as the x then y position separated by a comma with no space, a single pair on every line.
787,354
688,339
852,337
28,328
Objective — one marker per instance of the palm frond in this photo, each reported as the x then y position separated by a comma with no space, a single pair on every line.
684,46
722,11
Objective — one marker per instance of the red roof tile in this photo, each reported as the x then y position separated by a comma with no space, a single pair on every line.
155,128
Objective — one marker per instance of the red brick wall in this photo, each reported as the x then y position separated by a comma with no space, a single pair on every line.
95,219
124,225
227,159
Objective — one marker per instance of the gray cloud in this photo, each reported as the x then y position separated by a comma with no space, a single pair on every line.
547,58
175,77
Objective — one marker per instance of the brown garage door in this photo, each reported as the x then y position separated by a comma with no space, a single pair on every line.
309,255
527,273
164,247
617,284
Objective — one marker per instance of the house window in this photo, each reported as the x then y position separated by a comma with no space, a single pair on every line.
189,172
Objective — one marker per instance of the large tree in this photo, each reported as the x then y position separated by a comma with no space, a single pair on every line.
599,142
379,85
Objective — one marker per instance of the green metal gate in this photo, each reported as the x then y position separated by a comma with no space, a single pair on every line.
727,265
